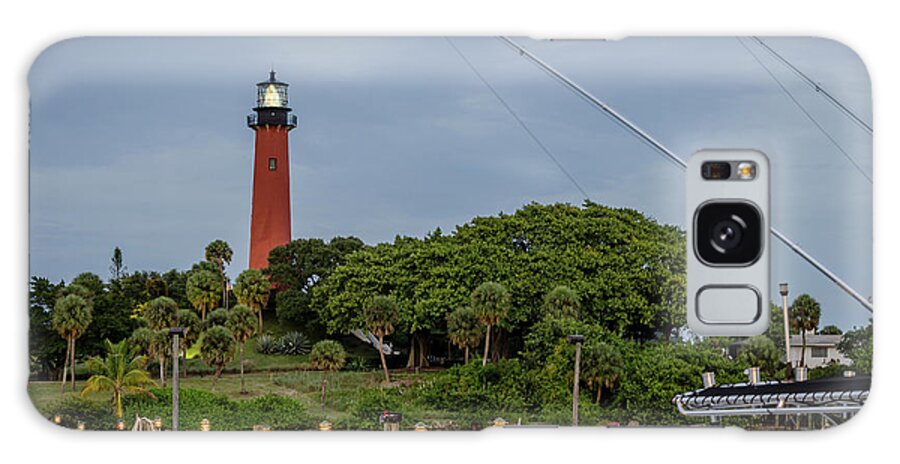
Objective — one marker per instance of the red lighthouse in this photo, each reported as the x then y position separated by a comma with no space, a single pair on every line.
270,218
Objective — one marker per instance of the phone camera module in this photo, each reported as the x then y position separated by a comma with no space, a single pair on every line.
728,233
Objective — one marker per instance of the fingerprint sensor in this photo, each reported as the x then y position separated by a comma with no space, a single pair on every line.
728,304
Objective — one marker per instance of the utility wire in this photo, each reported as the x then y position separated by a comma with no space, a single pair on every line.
805,111
672,156
815,85
519,120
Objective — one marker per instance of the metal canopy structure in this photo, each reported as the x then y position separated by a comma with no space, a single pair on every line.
836,395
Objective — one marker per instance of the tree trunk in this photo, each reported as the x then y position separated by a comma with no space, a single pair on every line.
260,328
216,376
803,347
324,391
498,347
162,370
73,364
387,377
243,390
599,392
418,351
487,345
62,390
184,362
466,356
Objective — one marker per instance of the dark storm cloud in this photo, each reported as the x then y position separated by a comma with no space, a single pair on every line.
141,143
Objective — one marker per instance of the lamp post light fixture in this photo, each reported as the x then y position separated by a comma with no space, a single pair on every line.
576,340
176,333
57,419
157,423
204,425
80,426
120,424
500,422
421,427
783,290
325,426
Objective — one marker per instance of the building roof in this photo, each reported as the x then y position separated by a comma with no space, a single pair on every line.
816,340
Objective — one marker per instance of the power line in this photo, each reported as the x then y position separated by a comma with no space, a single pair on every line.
805,111
522,124
816,86
672,156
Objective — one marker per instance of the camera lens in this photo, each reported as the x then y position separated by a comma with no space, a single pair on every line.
728,233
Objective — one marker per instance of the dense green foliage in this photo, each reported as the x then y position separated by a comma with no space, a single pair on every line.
464,330
252,289
277,412
297,267
857,345
204,290
217,348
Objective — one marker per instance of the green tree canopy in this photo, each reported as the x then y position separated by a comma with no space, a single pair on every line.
161,313
628,270
562,302
464,329
204,290
252,289
602,366
217,349
298,266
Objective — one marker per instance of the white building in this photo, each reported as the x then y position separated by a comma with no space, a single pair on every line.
820,350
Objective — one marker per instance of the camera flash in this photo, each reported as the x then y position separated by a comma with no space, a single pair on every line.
746,170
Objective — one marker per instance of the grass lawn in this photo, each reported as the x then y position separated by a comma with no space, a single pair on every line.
303,386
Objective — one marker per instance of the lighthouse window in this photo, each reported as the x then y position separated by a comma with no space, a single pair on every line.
272,164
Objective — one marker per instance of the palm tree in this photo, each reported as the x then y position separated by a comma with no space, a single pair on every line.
219,253
252,289
190,322
72,314
602,366
805,314
491,302
326,356
381,314
141,341
562,302
121,373
203,291
464,329
242,323
161,314
217,349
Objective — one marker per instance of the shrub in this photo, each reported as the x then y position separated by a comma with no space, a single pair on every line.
95,414
357,363
293,343
278,412
499,387
266,344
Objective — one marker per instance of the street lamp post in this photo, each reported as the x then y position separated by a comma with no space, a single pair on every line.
576,340
175,333
783,290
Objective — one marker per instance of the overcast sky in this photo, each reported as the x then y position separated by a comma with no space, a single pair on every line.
143,144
